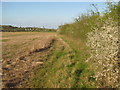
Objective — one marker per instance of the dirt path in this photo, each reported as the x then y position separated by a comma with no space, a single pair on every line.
56,71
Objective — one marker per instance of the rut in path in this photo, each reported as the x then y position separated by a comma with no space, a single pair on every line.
19,69
17,72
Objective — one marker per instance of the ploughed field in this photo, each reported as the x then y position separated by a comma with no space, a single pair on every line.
23,53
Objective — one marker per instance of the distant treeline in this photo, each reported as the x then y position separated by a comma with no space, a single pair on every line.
9,28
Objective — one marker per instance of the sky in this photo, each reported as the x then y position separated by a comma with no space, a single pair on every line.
47,14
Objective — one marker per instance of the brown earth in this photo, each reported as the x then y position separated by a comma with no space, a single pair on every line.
23,53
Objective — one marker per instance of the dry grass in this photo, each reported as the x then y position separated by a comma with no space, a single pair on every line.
22,53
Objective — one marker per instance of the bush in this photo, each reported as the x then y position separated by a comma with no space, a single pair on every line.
100,33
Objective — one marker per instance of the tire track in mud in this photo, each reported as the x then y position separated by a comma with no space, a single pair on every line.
19,71
56,68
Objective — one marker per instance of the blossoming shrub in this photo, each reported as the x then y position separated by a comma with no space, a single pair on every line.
104,47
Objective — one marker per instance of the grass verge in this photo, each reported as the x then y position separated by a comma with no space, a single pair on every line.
64,68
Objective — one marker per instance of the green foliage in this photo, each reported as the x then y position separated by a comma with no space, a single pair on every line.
79,69
113,10
58,54
87,21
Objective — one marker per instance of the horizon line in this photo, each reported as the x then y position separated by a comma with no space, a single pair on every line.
26,26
